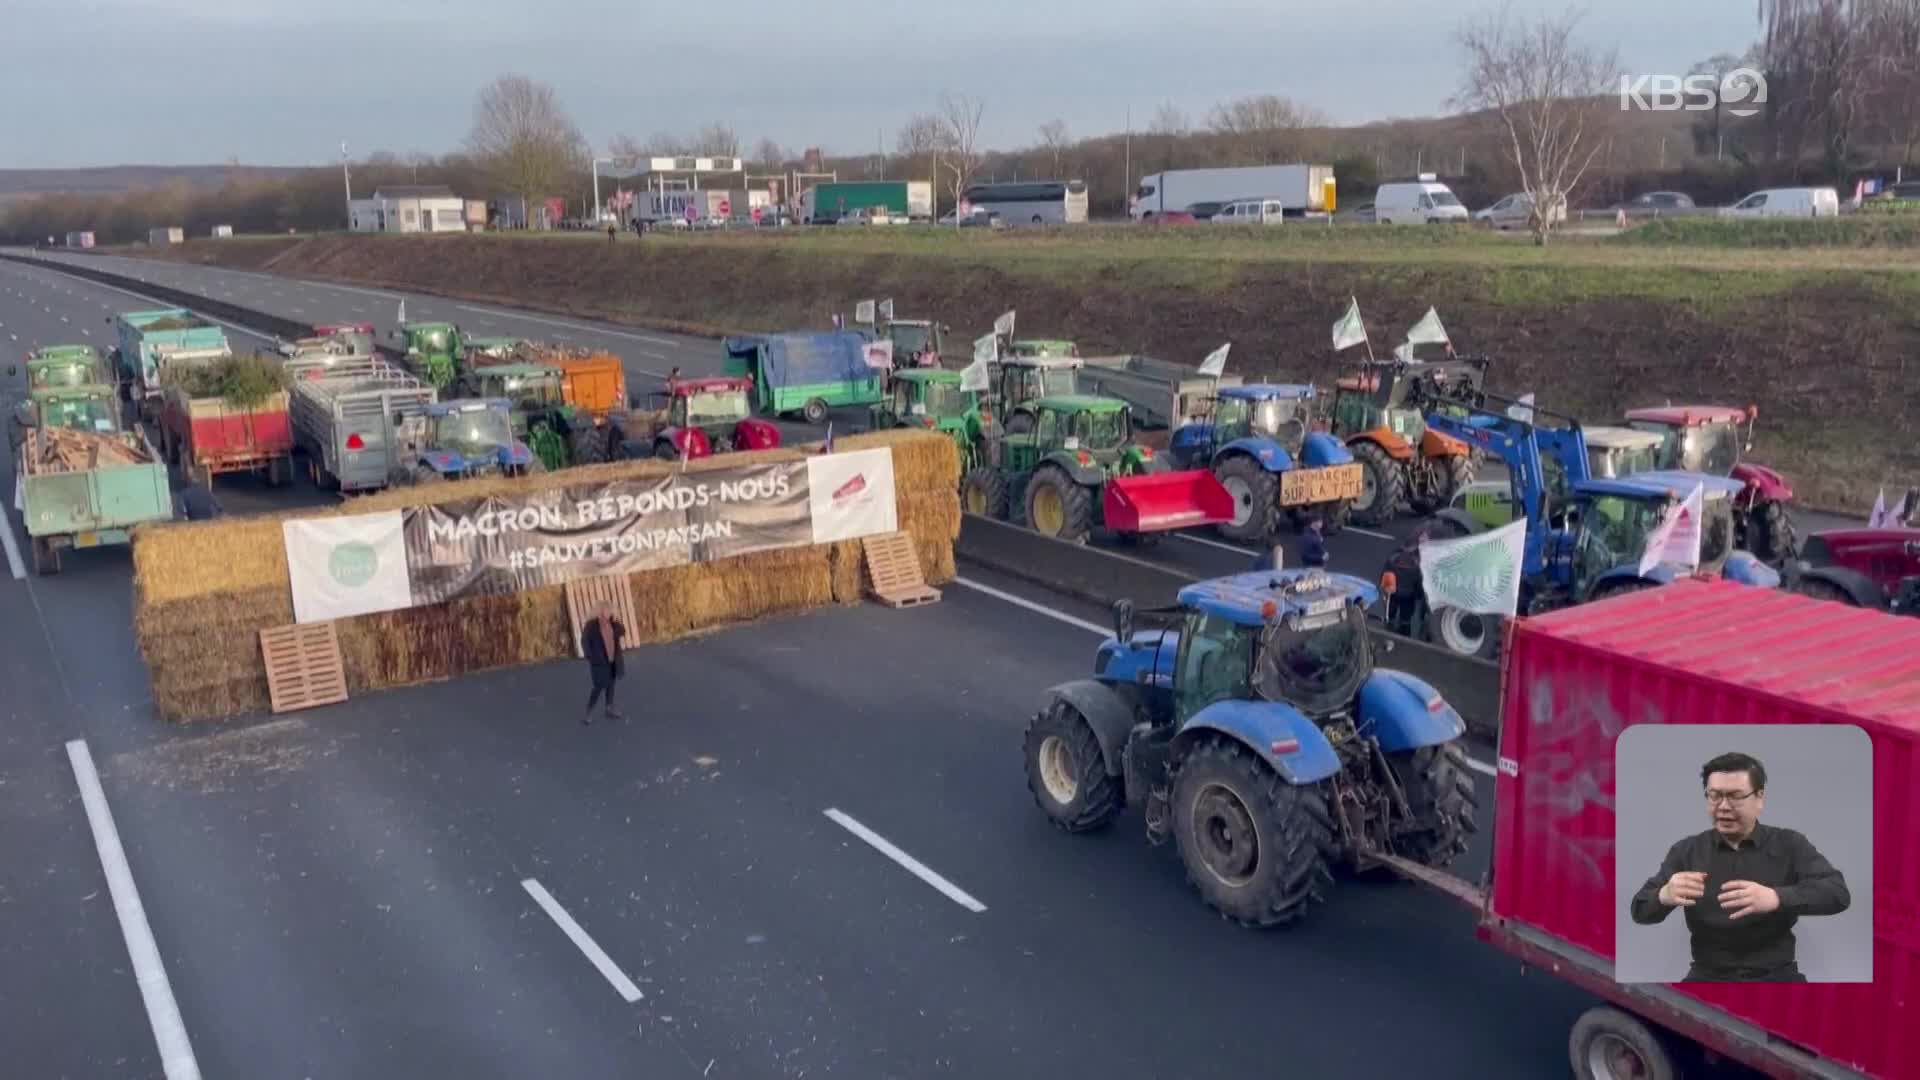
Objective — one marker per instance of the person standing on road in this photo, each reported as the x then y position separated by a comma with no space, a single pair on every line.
1742,884
601,639
196,503
1313,543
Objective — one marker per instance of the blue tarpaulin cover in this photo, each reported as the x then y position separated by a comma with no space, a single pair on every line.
807,359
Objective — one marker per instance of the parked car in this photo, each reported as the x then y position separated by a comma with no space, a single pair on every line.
1424,202
1655,202
1515,212
1803,202
1204,211
976,219
1251,212
1359,215
1905,191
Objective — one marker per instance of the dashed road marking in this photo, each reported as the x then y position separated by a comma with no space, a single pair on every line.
581,940
912,865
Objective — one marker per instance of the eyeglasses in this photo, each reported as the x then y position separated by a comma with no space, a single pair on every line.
1728,798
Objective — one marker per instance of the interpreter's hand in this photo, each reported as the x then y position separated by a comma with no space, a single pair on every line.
1683,888
1744,898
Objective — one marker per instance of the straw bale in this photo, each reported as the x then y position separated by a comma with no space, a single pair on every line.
848,565
478,633
211,701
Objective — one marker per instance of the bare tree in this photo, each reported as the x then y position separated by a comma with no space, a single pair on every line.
715,140
524,139
1551,96
960,135
1170,120
1054,137
769,155
1267,126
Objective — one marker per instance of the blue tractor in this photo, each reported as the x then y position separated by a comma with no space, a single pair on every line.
1585,536
1254,729
1261,443
456,440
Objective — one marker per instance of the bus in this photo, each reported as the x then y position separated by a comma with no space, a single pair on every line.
1046,202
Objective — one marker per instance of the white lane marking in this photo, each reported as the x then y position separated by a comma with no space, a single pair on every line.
1060,616
86,333
15,566
163,303
594,953
169,1031
1215,544
583,328
913,866
1038,609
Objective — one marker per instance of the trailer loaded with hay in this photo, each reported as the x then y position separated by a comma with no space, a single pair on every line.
87,488
343,410
152,341
199,621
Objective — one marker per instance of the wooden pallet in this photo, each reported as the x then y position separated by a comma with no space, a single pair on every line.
893,571
304,668
585,594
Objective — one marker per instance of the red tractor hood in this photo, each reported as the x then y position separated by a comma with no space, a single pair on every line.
1763,484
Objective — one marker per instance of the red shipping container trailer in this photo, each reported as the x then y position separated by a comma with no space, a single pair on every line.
1700,652
209,436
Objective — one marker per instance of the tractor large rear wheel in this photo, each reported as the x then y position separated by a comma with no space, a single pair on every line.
1464,633
1450,476
1771,536
1067,774
1440,794
1058,507
1383,485
1255,492
586,444
984,492
1256,847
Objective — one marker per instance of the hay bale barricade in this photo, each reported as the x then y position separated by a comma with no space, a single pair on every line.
204,590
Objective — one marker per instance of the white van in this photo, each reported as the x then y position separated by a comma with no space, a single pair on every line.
1799,202
1418,203
1251,212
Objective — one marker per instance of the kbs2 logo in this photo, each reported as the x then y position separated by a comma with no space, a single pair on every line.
1741,92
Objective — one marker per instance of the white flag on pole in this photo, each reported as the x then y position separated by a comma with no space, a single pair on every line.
986,349
1522,410
886,310
1003,326
1216,362
1676,539
1428,330
975,377
1403,352
1881,517
863,312
1476,574
1349,331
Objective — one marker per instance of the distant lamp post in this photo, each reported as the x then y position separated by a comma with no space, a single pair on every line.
346,177
596,185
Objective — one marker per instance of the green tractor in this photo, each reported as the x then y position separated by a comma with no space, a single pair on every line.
1079,467
434,351
558,433
931,398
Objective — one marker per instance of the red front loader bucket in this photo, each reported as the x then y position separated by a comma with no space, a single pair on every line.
1162,501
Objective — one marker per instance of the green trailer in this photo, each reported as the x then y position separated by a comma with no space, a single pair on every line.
806,373
85,483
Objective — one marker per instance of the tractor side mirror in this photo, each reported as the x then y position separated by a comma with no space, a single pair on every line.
1123,621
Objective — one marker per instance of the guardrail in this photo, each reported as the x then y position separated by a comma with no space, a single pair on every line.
1102,577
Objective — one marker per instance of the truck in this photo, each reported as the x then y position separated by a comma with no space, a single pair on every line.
343,413
160,237
1571,684
1303,190
826,204
149,341
80,239
207,433
1251,725
806,374
84,482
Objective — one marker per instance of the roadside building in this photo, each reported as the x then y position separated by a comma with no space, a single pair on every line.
410,208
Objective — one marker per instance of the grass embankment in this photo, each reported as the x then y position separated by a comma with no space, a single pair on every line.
1824,339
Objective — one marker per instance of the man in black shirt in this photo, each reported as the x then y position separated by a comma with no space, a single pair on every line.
1743,884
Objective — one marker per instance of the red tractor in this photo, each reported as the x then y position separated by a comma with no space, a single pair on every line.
701,417
1875,568
1711,439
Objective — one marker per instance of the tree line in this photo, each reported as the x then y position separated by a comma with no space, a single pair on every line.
1537,109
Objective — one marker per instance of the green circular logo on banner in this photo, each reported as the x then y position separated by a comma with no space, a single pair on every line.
353,564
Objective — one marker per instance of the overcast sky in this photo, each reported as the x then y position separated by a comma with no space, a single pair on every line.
98,82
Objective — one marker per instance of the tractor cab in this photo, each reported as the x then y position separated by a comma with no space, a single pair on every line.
1281,412
1614,452
432,350
925,397
1715,439
916,342
1614,519
1395,395
1024,380
462,438
1296,637
713,405
1097,430
532,389
58,367
1042,347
